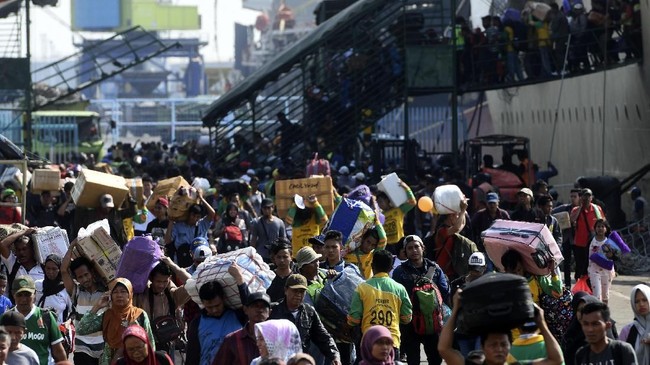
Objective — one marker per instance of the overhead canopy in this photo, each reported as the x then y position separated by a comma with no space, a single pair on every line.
285,60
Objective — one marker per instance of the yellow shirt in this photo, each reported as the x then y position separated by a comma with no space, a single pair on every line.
363,262
302,234
394,225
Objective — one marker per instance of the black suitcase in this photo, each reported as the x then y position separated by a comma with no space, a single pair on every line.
495,301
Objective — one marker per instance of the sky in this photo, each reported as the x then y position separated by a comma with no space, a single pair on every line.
52,38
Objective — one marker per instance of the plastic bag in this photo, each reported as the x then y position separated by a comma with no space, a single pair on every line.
582,285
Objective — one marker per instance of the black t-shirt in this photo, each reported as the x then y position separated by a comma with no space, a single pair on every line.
157,228
276,290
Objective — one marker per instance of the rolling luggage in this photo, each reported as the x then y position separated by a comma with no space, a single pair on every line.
533,241
495,301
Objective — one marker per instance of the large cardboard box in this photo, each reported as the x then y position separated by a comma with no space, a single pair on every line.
180,204
50,240
91,185
166,188
136,189
46,180
321,186
100,249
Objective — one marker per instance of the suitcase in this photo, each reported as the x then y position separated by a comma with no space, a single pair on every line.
533,241
495,301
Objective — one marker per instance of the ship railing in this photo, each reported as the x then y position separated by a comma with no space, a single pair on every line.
514,63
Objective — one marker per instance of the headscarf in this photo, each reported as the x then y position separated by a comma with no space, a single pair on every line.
372,335
52,287
642,324
574,338
139,333
227,219
281,338
117,318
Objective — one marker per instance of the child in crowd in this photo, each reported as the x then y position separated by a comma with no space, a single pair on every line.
601,261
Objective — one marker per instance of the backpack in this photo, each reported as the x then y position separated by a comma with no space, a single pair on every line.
463,248
231,238
427,306
67,330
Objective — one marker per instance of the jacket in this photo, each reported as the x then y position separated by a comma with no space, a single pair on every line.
310,327
407,274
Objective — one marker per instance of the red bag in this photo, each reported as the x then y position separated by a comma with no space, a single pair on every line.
318,167
582,285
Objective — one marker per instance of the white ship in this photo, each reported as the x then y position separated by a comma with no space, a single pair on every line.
603,119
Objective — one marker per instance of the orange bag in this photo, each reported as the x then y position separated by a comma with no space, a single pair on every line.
582,285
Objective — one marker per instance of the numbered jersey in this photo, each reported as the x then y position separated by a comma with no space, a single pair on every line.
381,301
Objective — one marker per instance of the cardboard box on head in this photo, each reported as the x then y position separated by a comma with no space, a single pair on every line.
166,188
321,186
91,185
46,180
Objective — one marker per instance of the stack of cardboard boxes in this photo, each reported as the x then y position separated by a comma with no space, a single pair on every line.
102,251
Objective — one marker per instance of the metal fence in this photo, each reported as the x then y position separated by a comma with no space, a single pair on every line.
153,120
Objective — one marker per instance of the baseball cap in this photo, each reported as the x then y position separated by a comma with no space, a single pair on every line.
526,191
106,201
250,172
477,259
305,256
411,238
492,198
317,240
266,202
23,283
13,318
586,191
261,296
8,193
201,253
360,176
344,170
163,201
296,281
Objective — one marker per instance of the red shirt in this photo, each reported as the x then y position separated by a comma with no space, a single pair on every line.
585,223
10,215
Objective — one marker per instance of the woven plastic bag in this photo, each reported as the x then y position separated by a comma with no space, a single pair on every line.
140,256
256,274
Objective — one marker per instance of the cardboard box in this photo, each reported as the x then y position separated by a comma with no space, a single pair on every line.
321,186
91,185
46,180
105,254
50,240
136,189
166,188
180,205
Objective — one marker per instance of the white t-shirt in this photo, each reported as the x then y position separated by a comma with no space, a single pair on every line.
59,302
36,272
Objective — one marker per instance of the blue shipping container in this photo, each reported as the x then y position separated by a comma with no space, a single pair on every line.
95,15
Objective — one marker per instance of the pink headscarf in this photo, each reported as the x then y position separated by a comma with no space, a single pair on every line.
372,335
139,333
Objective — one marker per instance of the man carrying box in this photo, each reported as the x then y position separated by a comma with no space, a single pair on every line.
22,260
180,235
115,216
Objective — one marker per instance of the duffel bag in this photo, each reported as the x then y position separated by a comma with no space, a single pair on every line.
495,301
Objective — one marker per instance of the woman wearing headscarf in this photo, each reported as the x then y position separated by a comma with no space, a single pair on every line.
277,338
637,333
50,291
574,338
120,314
377,347
138,349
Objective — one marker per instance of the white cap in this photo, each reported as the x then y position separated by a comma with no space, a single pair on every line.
201,253
344,170
250,172
360,176
477,259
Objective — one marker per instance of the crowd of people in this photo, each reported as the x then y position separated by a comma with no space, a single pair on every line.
385,322
548,42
